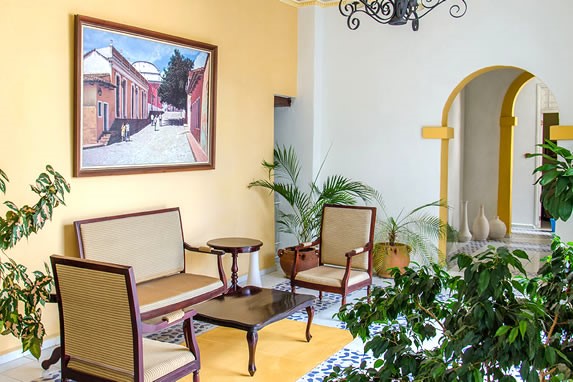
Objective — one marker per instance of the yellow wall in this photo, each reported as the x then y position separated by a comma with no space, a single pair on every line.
257,59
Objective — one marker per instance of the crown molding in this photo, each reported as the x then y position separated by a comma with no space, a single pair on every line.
310,3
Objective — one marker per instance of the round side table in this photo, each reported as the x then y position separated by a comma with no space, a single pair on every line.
234,246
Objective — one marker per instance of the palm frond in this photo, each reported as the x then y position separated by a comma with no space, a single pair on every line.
302,218
341,190
419,230
286,164
287,191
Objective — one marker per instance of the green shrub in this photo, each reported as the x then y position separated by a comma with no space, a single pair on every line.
486,325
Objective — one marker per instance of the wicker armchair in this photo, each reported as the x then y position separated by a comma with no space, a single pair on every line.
101,330
345,252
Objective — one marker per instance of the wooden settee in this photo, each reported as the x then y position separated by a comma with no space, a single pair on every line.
152,243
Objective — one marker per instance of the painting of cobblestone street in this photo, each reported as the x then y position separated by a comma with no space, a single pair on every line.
145,100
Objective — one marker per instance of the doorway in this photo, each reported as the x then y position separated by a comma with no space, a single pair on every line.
105,116
507,123
547,120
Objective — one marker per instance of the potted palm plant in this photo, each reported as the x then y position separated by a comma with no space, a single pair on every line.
301,217
413,232
22,292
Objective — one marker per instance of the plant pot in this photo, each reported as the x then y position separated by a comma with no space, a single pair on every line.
308,259
386,256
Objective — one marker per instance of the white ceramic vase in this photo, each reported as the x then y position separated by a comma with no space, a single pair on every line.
464,234
480,227
497,229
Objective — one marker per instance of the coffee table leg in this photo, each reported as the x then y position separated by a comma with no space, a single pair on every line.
252,339
310,313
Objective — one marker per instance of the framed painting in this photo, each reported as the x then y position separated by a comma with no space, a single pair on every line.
144,101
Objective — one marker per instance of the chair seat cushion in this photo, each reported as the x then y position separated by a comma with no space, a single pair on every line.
331,276
170,290
161,358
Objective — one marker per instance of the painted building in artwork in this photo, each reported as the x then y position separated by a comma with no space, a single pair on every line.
153,77
198,107
98,107
130,93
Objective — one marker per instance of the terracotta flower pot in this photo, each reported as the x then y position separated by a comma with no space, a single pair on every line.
308,259
388,256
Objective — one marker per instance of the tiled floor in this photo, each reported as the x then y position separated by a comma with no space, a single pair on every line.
536,244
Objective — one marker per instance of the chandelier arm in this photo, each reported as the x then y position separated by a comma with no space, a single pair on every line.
381,11
456,10
395,12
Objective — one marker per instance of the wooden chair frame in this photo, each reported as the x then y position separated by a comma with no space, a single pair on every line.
345,289
138,327
179,305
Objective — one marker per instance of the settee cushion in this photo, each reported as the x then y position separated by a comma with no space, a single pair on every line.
331,276
170,290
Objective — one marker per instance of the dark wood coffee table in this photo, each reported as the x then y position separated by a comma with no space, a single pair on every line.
253,311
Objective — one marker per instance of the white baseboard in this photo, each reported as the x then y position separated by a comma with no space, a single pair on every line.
46,346
522,226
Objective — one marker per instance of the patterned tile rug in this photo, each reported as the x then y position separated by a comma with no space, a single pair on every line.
537,245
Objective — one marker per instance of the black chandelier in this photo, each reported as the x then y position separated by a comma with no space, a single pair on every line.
395,12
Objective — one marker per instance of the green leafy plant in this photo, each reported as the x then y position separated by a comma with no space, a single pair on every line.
22,294
556,293
556,177
302,218
487,325
416,229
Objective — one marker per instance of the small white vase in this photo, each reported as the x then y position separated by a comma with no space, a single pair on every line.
497,229
464,234
480,227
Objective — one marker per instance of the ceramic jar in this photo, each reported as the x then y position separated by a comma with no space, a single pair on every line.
464,234
497,229
480,227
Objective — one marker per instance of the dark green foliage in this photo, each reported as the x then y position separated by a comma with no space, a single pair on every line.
438,327
556,179
302,219
556,291
173,89
23,294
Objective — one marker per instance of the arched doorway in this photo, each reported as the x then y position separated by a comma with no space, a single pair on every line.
505,138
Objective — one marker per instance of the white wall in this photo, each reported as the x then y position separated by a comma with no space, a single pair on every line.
298,125
525,139
381,84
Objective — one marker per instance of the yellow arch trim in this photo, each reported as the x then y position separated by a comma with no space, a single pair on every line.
444,150
560,132
444,157
461,85
507,122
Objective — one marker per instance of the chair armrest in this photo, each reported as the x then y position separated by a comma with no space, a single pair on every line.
359,250
219,253
297,251
306,245
166,320
204,249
